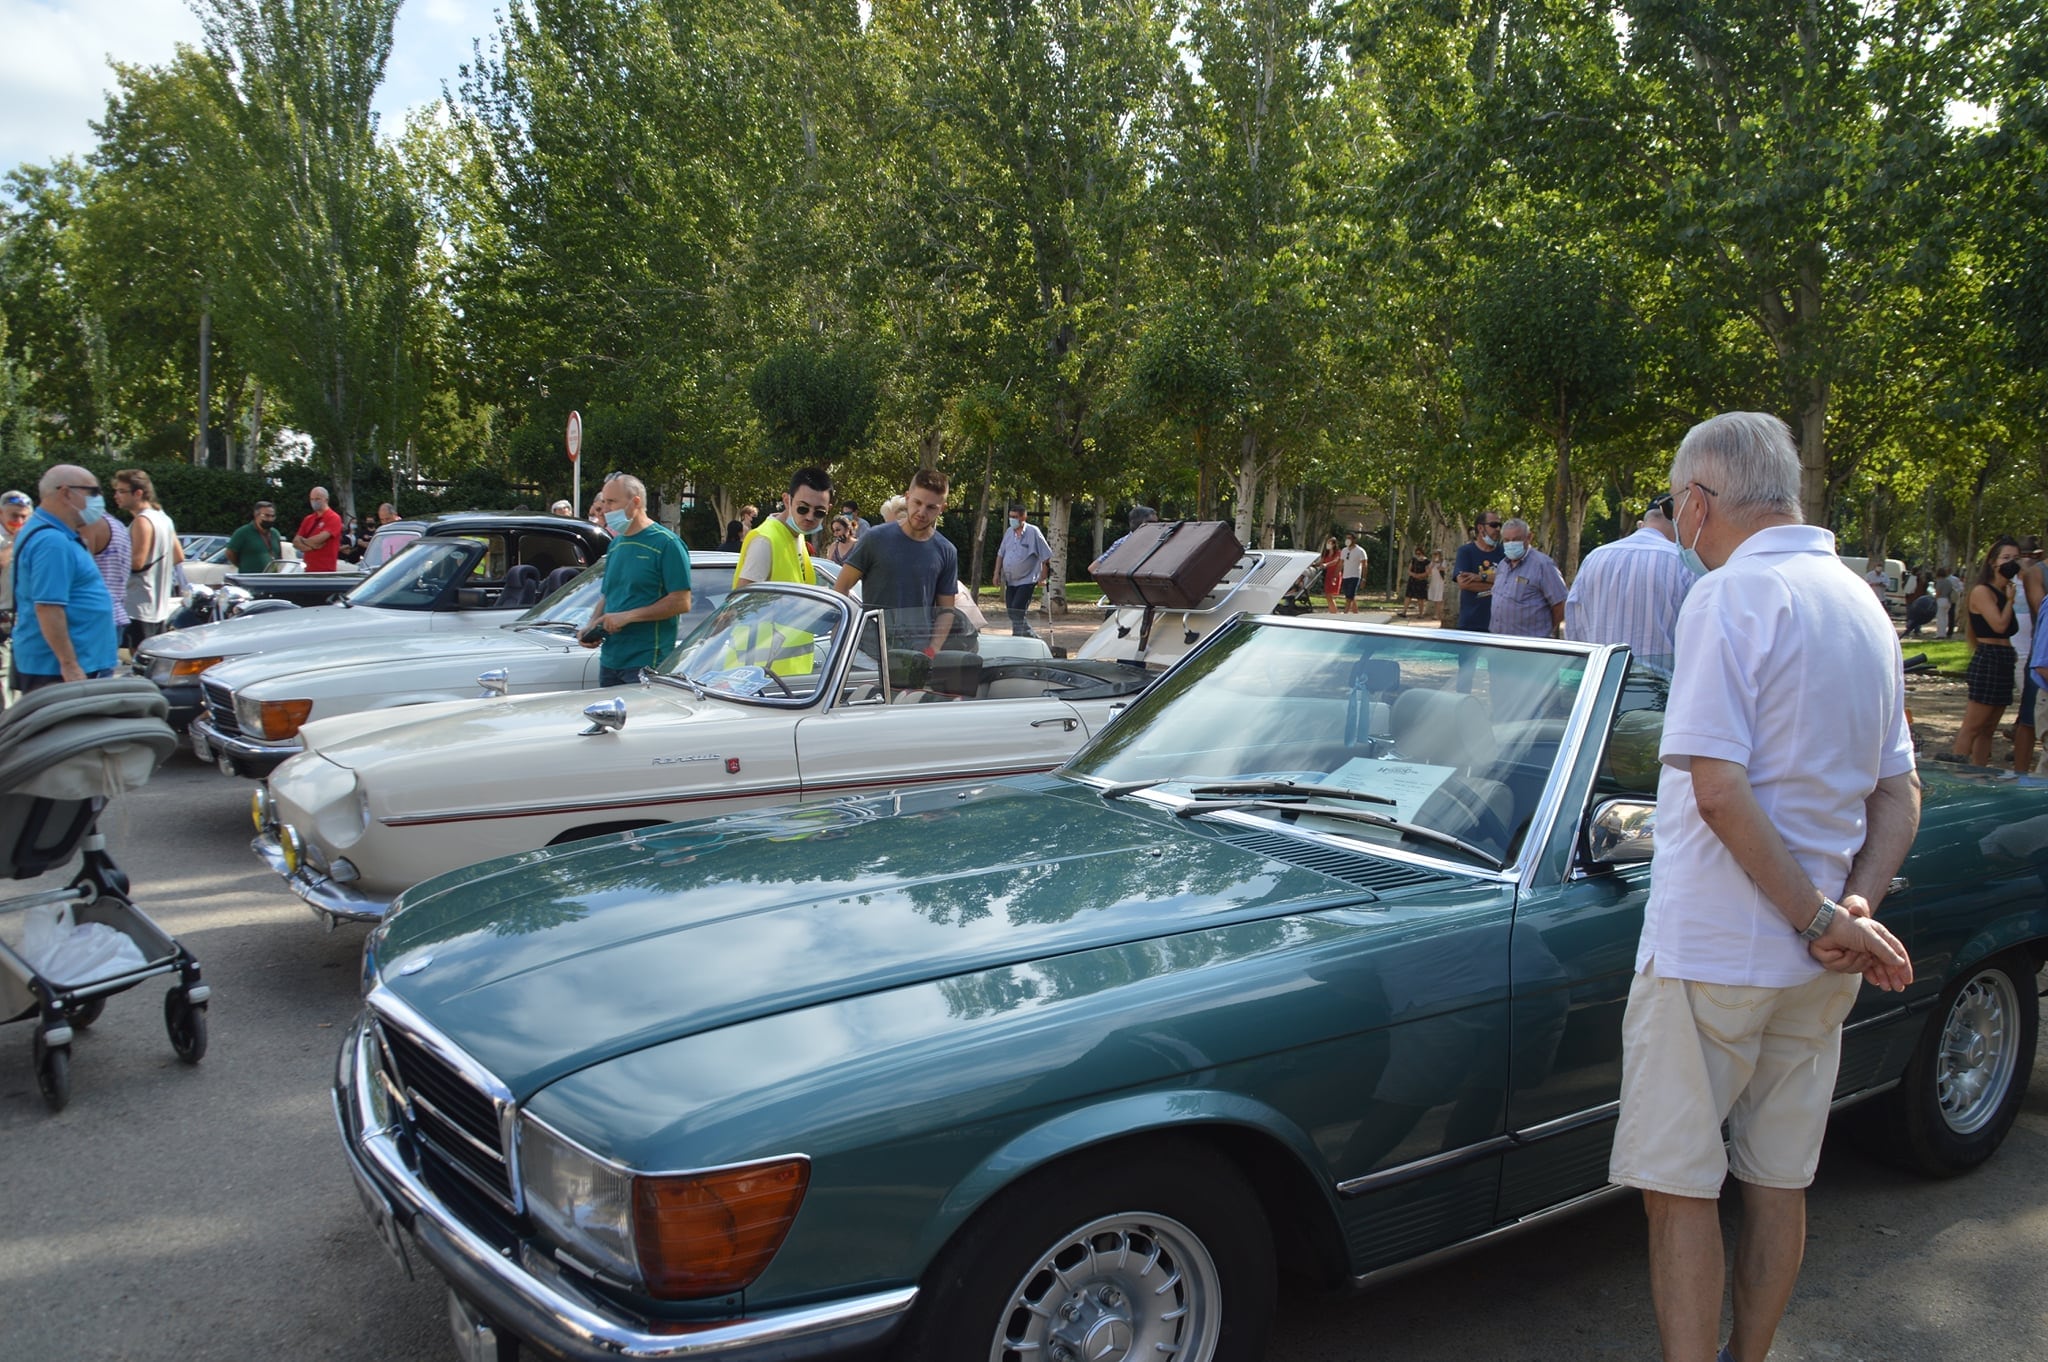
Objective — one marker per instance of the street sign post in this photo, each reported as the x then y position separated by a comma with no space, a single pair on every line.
573,438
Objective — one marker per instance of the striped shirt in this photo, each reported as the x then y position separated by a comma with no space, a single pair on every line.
1629,592
1525,592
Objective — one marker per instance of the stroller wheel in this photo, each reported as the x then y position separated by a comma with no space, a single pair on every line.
53,1072
186,1025
87,1012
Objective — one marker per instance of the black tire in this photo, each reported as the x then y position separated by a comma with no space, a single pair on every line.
87,1012
1968,1075
996,1281
53,1072
186,1026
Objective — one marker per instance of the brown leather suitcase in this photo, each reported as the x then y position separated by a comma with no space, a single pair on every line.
1169,564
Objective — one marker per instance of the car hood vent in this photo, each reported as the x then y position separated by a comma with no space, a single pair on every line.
1367,872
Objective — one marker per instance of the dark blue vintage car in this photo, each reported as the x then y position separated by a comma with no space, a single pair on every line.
1313,961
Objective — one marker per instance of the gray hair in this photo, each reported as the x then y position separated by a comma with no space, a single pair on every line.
1749,460
57,476
1514,523
629,484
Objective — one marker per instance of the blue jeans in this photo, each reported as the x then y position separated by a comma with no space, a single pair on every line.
1017,600
24,682
620,676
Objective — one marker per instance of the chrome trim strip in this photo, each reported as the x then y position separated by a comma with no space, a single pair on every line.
244,747
1422,1168
1565,1125
419,1099
702,797
552,1312
1863,1094
1394,1271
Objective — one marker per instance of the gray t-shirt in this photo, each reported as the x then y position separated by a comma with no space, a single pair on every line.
905,576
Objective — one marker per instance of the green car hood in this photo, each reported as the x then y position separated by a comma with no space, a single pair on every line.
550,961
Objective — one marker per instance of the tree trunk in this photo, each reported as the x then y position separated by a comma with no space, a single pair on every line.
929,446
1247,484
199,450
1058,511
988,464
1269,513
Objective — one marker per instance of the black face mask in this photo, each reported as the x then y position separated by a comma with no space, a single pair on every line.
2009,570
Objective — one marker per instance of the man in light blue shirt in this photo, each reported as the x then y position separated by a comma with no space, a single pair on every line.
1629,591
1023,561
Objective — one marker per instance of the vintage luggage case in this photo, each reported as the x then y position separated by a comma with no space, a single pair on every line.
1169,564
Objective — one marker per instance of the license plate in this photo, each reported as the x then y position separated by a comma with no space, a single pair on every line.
201,748
383,1219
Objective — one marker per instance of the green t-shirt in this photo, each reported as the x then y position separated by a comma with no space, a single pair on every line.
255,550
639,569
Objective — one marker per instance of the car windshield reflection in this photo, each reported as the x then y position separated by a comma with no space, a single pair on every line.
419,576
568,608
772,646
1427,739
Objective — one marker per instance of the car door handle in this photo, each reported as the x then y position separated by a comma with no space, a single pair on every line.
1067,724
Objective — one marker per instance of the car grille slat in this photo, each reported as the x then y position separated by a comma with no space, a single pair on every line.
1367,872
220,707
455,1120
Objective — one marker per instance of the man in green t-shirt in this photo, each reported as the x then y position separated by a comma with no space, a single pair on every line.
254,546
646,586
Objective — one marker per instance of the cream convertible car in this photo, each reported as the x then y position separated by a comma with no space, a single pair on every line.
785,694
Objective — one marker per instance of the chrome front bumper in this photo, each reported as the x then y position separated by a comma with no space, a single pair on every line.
523,1294
239,755
326,896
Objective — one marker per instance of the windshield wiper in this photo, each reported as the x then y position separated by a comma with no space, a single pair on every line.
1418,831
1117,789
679,682
1272,787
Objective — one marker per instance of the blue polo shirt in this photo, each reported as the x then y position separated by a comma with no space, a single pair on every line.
51,567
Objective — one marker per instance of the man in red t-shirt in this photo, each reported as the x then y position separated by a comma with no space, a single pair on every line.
319,536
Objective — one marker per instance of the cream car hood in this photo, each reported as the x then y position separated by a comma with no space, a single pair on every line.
384,665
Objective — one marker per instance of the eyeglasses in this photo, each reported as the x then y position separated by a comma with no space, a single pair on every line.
1489,524
807,511
15,499
92,488
1662,505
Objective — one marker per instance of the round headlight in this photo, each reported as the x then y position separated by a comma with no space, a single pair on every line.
259,808
294,850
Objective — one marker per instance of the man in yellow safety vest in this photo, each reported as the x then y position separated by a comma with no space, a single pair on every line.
775,550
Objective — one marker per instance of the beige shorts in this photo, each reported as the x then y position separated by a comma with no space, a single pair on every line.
1695,1055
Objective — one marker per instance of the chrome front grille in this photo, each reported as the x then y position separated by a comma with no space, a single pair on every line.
220,706
455,1120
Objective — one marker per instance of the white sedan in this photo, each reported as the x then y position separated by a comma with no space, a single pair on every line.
256,705
786,694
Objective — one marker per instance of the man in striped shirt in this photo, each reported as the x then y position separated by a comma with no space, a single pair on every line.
1629,591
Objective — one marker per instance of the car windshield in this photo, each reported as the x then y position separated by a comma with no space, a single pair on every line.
773,646
568,608
385,544
1384,736
420,575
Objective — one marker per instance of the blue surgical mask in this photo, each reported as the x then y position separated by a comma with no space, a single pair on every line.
1514,549
615,521
1690,556
95,509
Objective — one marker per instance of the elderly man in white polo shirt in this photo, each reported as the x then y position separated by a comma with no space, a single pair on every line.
1787,803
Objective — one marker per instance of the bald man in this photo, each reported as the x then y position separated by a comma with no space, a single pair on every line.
319,536
64,615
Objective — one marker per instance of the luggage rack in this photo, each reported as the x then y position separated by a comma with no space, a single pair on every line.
69,749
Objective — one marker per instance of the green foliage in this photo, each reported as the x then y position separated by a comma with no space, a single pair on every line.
817,406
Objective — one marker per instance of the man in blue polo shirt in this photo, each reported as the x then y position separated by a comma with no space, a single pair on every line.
64,616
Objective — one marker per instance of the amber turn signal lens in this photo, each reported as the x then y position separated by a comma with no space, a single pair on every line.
711,1234
191,666
281,718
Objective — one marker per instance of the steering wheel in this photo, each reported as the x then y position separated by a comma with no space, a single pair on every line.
780,682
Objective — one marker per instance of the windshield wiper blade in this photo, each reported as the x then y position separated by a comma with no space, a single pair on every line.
1418,831
1117,789
679,682
1300,787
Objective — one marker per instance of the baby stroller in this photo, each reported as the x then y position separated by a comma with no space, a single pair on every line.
64,751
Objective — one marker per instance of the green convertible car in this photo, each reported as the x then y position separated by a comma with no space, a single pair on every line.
1313,960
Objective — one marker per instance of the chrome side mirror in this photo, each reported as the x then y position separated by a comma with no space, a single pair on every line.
605,716
1623,832
496,681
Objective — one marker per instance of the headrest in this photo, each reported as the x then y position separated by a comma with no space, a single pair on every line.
1443,728
956,673
1378,674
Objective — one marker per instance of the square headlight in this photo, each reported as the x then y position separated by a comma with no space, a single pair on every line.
583,1203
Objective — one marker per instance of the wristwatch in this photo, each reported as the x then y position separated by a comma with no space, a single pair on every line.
1817,928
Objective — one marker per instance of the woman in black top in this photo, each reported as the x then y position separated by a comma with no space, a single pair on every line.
1418,581
1991,624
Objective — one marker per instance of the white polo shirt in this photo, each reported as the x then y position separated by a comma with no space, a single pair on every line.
1786,664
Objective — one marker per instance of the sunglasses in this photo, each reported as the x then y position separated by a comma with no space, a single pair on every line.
806,510
1662,505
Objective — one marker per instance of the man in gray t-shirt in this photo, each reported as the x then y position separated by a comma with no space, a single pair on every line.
911,570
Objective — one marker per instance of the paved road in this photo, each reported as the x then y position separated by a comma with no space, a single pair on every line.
206,1213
